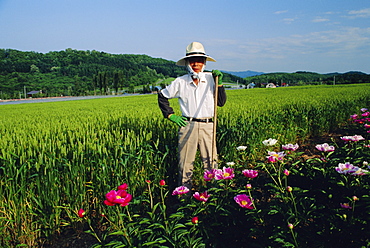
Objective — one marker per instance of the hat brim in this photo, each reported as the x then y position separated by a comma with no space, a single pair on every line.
181,62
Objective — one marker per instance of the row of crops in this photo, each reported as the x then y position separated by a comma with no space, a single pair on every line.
59,157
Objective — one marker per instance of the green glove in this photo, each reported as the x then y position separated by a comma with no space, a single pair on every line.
216,73
179,120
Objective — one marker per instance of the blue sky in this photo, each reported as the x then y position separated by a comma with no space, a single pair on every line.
260,35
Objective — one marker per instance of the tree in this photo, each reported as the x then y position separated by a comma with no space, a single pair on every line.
34,68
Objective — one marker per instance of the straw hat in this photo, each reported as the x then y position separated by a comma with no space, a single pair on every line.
194,49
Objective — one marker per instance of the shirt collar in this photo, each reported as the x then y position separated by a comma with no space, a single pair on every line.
202,78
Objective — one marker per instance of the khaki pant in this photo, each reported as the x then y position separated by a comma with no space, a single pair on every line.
195,135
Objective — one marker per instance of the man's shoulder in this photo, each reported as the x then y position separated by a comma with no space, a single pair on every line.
208,74
183,78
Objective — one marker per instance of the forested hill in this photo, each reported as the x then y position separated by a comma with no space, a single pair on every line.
304,78
74,72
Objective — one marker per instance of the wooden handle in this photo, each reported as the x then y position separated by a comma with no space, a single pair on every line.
213,158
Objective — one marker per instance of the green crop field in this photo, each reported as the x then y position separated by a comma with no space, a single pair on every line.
59,157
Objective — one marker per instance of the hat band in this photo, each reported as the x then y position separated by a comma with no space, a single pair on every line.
195,53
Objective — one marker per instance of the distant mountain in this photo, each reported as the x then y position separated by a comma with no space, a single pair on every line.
350,72
306,78
244,74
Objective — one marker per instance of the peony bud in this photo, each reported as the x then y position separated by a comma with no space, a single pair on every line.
162,182
289,189
81,213
195,220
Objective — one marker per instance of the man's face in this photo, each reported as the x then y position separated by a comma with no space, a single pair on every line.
197,63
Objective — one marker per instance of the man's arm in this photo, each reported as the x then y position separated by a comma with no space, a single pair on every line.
168,113
164,105
221,96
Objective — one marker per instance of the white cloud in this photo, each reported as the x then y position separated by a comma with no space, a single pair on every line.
337,43
320,20
288,20
363,13
280,12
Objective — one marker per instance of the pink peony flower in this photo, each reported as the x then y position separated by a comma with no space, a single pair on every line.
124,186
345,205
350,169
250,173
201,196
120,197
180,190
290,147
360,172
275,156
325,147
354,116
346,168
209,174
225,173
354,138
244,201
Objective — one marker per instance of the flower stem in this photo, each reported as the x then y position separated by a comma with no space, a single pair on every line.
150,196
250,195
295,240
125,234
272,177
164,209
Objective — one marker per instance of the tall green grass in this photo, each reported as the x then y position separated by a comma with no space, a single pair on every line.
56,158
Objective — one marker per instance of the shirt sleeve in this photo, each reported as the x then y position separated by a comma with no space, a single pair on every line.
172,90
221,96
164,105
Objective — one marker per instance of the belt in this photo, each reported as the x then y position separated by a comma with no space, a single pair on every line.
199,120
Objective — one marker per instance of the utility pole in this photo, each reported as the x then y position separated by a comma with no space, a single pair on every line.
25,96
334,81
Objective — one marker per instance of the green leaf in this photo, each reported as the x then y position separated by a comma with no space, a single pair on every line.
272,211
116,233
157,241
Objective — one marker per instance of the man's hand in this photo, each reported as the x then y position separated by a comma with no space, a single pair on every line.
216,73
179,120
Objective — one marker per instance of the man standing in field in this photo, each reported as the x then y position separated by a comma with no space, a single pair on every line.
195,92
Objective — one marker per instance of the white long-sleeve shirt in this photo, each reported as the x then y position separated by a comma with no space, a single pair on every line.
195,101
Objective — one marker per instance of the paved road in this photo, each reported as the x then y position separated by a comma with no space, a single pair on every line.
59,99
56,99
